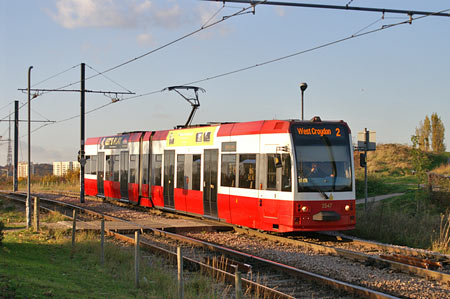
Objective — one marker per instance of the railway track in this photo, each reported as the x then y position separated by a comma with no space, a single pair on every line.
430,265
268,277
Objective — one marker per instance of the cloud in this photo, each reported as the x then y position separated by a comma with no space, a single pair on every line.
143,15
73,14
145,39
94,13
280,11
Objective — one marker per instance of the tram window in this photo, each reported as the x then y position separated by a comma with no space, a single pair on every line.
196,168
228,172
286,173
144,169
180,171
93,165
247,171
116,168
108,168
271,173
156,169
87,166
133,169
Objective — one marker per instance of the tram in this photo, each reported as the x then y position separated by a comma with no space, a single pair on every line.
273,175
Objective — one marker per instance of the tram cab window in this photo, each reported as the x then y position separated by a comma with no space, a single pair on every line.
93,165
180,172
196,170
116,168
133,169
87,166
228,172
247,171
286,173
278,172
156,169
271,173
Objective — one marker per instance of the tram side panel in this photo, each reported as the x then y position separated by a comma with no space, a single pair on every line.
144,173
156,172
90,177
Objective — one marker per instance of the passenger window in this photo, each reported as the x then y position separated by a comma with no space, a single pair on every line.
116,168
133,169
145,168
93,165
228,175
247,171
156,169
180,172
196,167
87,166
108,168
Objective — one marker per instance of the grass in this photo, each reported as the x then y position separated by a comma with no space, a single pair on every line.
417,218
38,265
412,219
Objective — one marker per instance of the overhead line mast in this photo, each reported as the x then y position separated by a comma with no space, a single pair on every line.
410,13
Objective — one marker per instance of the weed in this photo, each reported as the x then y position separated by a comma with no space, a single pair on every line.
442,243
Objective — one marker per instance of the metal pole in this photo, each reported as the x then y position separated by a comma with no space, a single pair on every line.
180,273
136,258
16,145
74,228
366,144
238,284
303,87
36,213
102,242
81,155
28,203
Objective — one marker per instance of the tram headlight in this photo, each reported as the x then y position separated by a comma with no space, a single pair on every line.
305,209
347,208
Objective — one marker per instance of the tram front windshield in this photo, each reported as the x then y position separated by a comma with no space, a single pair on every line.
323,157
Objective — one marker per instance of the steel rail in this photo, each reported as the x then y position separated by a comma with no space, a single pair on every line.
389,248
336,284
357,256
229,277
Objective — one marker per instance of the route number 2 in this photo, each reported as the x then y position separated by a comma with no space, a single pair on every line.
338,132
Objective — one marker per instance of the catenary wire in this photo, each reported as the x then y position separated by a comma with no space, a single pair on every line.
56,75
121,86
240,12
384,27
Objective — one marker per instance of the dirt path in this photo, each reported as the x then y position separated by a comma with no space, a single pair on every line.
378,198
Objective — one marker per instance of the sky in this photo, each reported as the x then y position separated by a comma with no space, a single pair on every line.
386,81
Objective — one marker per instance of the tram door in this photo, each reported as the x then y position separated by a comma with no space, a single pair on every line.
124,163
169,172
210,166
100,173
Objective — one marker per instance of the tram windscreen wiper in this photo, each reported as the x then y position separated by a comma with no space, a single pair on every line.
317,188
333,161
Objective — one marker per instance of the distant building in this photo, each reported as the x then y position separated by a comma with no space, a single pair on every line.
22,169
61,168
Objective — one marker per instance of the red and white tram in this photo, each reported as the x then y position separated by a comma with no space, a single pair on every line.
273,175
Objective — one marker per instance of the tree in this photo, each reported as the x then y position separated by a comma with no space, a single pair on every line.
437,134
420,160
430,134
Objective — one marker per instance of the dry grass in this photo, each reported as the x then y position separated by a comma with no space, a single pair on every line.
443,169
388,159
442,243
